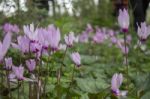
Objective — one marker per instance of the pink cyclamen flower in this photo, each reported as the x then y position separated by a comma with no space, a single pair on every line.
121,45
89,28
123,20
113,39
111,33
31,64
10,28
99,37
129,39
143,31
116,82
15,28
120,42
31,32
76,58
12,76
69,39
7,27
35,47
53,37
8,63
18,72
98,29
23,44
84,37
43,37
125,50
5,45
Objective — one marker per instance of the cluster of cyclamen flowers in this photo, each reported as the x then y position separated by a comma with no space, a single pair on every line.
102,36
39,41
10,28
117,79
46,41
143,33
36,41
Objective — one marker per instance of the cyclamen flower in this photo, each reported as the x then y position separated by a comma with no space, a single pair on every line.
8,63
7,27
35,47
98,29
23,44
113,39
31,32
76,58
10,28
121,45
69,39
111,33
15,28
31,64
5,45
18,72
89,28
53,37
116,82
125,51
84,37
43,38
120,42
104,30
123,20
129,39
143,31
99,37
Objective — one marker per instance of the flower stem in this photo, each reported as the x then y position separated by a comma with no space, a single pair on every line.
8,83
59,72
72,78
61,67
126,60
30,90
23,89
39,73
18,90
46,78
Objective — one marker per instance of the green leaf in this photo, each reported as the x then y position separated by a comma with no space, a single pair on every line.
146,96
84,96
